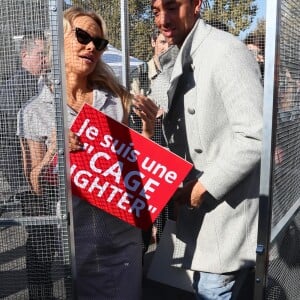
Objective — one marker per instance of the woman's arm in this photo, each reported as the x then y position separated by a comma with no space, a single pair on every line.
36,159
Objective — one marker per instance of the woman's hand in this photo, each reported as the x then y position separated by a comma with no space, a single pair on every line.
147,110
74,142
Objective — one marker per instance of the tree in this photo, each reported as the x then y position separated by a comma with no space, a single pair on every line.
260,28
140,23
257,36
237,15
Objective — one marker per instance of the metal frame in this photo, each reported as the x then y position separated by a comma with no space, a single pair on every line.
270,94
125,43
279,229
64,189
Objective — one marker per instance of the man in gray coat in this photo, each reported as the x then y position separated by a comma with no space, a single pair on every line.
214,120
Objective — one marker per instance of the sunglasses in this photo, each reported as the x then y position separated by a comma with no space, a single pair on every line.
84,38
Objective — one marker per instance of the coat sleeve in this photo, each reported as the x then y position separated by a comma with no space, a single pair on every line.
238,86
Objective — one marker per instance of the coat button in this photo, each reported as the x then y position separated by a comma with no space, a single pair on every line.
198,151
191,111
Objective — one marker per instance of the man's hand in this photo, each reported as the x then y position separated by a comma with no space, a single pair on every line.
190,194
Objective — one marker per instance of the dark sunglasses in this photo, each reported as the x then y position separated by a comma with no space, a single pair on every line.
84,38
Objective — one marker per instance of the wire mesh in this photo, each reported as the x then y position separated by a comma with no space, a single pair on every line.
286,173
34,263
29,224
284,271
283,275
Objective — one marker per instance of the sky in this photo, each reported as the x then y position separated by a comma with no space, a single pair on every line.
261,14
261,5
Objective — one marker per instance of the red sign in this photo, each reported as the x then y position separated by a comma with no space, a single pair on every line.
122,172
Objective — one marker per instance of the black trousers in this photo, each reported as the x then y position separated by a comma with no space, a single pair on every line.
41,243
40,251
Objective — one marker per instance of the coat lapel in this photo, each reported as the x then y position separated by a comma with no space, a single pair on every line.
185,55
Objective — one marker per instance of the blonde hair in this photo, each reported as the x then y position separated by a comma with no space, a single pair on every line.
102,76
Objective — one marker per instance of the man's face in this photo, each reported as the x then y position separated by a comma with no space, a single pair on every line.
160,44
36,60
175,18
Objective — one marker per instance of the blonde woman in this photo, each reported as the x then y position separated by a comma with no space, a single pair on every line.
108,250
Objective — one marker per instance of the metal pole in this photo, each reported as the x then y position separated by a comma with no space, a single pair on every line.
270,96
64,188
125,42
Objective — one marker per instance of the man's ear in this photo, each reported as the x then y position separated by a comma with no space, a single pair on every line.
198,4
153,43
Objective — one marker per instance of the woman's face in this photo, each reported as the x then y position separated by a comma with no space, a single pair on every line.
81,59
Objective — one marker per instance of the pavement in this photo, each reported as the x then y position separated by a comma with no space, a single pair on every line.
13,278
156,290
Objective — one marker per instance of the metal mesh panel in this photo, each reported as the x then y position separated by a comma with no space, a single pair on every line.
34,240
284,271
286,174
34,244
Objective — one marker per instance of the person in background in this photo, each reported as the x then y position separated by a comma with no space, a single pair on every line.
148,71
15,93
108,251
214,120
256,44
142,83
159,45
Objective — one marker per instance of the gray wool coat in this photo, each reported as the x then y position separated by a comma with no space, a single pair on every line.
222,103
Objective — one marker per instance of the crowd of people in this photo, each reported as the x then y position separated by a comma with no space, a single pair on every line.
201,98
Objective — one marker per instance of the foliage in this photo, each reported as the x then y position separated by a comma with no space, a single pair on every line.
258,35
20,14
139,23
260,28
237,15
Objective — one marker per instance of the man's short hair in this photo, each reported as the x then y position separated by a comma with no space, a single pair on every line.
218,24
257,40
